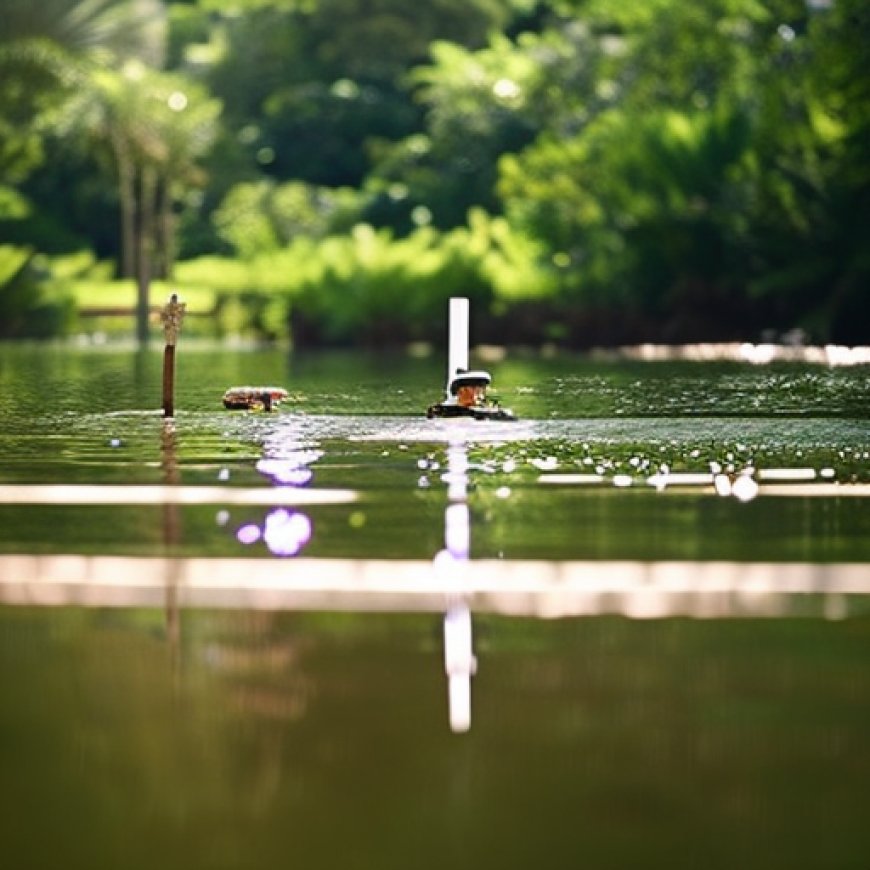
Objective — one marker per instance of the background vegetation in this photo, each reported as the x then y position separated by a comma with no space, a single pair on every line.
588,171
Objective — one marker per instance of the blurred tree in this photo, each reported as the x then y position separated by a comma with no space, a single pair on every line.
310,86
483,103
256,217
157,127
27,310
48,54
46,51
705,164
683,55
477,108
812,171
718,183
640,210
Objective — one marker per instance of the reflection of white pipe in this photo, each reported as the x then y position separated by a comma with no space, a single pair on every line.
459,660
459,699
459,664
457,532
458,655
457,471
457,354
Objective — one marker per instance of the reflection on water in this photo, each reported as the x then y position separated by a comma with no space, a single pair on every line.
452,570
460,664
285,532
288,472
535,588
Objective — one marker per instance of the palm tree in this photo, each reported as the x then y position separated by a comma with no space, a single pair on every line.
93,30
95,63
157,126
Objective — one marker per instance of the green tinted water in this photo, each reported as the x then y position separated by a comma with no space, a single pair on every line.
92,417
285,740
144,737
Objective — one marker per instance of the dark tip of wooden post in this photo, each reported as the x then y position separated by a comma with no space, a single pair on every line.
169,380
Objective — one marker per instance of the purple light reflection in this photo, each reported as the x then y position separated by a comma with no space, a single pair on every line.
291,470
286,532
249,534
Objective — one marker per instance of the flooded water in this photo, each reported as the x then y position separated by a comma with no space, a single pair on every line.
630,628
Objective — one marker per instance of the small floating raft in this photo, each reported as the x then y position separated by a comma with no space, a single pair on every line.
487,412
467,398
254,398
465,395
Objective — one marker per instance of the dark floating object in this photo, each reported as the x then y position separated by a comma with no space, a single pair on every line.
467,398
489,412
254,398
466,389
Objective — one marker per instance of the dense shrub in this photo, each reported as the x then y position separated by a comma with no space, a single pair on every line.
27,308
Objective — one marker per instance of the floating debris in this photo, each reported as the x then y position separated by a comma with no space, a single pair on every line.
254,398
466,397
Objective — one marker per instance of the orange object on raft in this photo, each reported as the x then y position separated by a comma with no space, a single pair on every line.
467,398
254,398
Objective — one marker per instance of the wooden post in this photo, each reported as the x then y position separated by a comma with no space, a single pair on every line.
171,315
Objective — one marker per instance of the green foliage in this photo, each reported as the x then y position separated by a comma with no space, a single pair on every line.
98,29
370,287
28,309
704,190
242,297
477,108
812,171
13,206
373,288
515,264
703,167
261,216
648,201
162,119
48,50
242,220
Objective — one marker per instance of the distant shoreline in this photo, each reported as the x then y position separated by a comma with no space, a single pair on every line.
760,353
757,353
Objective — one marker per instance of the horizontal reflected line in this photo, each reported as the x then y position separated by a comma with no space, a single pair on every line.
532,588
681,481
123,494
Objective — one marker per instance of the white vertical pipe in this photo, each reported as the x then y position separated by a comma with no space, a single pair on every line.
457,353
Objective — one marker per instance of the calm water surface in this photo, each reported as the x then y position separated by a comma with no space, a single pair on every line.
140,735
